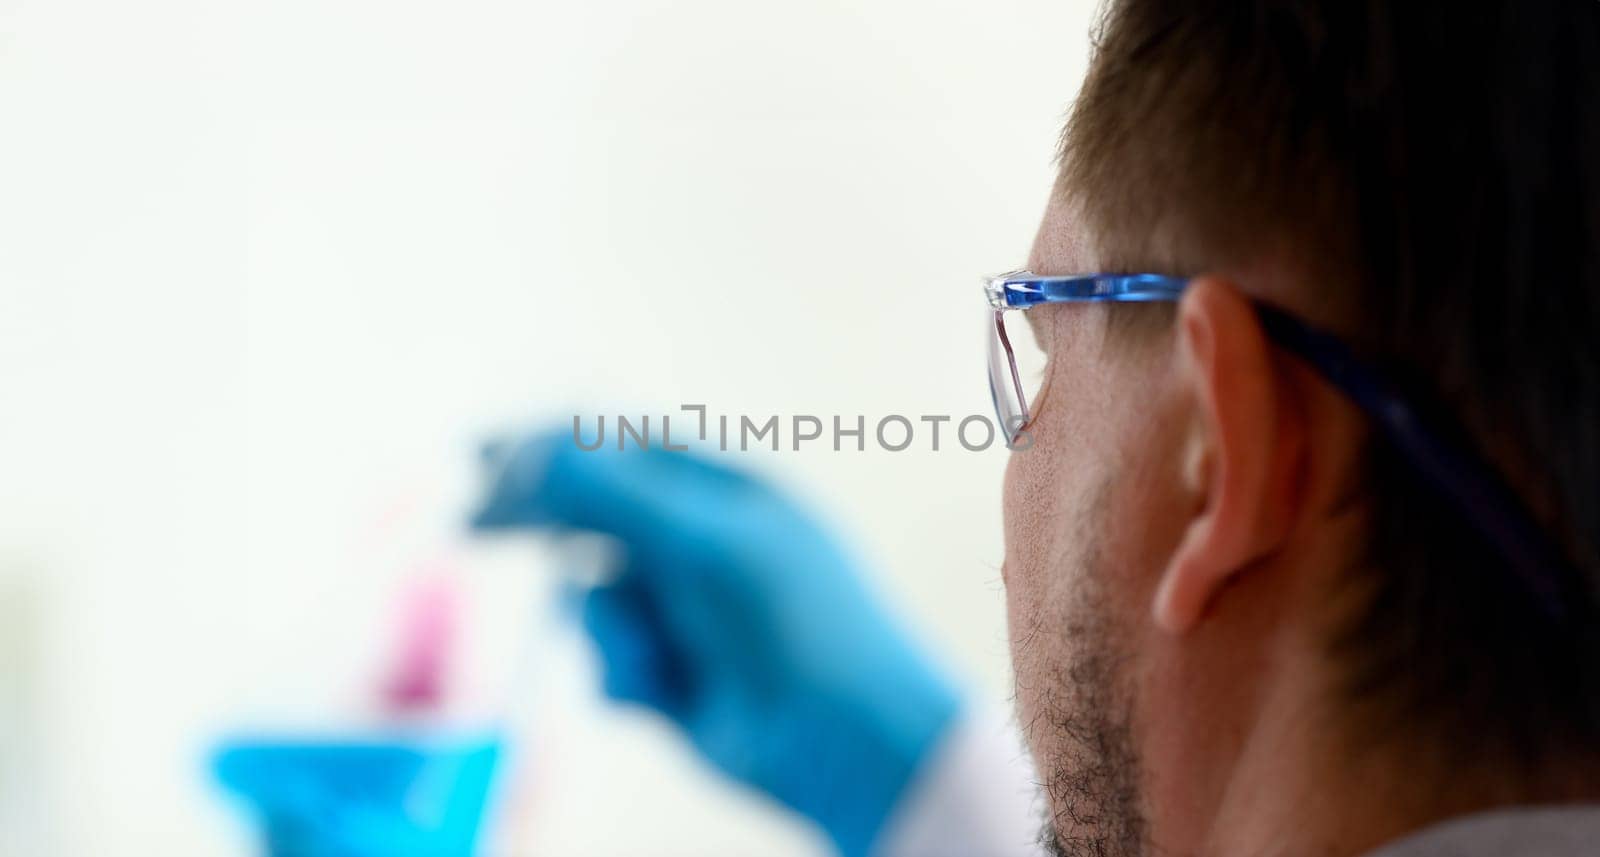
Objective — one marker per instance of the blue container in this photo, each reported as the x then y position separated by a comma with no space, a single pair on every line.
403,797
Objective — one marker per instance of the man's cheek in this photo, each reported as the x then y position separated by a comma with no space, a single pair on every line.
1029,499
1030,661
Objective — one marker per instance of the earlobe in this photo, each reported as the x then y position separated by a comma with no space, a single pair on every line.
1185,587
1236,466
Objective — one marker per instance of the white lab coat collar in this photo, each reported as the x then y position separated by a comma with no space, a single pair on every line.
1546,831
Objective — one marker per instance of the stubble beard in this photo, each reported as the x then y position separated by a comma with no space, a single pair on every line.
1091,778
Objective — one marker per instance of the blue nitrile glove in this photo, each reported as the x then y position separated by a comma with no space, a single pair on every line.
739,618
363,798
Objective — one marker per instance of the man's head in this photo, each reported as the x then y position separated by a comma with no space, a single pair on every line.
1223,590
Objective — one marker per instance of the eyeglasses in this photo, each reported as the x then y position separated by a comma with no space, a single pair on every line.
1457,473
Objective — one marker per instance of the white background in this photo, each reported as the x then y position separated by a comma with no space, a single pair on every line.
268,272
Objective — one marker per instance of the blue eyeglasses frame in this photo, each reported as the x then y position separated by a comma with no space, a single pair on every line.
1459,475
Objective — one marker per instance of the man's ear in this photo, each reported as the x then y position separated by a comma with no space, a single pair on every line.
1242,456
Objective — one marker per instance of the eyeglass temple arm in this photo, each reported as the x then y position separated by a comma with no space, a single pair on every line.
1485,500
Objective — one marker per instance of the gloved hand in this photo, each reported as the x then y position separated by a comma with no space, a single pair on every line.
740,619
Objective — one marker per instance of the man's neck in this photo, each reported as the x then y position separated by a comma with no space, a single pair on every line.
1343,803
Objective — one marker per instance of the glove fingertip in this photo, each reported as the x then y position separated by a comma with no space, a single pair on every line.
627,683
494,517
492,453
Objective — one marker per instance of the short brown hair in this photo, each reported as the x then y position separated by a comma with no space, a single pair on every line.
1435,167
